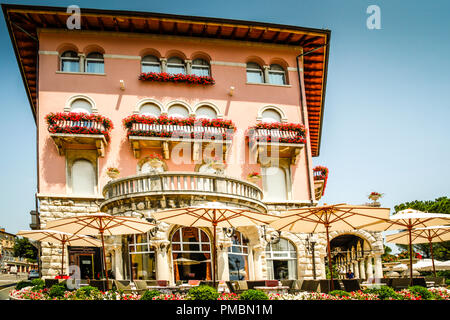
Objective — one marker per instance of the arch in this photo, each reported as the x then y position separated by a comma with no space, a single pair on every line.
201,55
93,48
179,102
144,101
280,62
66,47
256,59
208,104
175,53
273,107
68,106
375,243
150,52
143,168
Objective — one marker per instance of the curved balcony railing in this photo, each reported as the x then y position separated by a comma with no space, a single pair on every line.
176,184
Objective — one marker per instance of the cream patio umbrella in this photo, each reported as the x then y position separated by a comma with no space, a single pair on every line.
326,218
409,219
101,224
423,235
63,238
213,214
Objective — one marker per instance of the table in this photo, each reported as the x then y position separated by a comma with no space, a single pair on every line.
372,285
278,289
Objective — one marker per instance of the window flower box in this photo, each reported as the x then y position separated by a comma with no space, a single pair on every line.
176,78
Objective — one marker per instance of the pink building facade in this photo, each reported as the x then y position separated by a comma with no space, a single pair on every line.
249,100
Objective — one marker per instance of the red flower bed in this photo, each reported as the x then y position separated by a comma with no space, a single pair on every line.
187,122
299,132
99,124
176,78
321,173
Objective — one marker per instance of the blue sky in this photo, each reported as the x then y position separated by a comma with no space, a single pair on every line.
387,103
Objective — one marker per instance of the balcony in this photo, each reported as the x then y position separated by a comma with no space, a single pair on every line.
68,129
178,189
320,181
165,133
276,140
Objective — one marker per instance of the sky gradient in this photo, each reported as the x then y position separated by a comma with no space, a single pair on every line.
386,112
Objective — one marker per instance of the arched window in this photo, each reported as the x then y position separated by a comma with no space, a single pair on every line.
270,115
206,112
277,74
150,109
81,105
191,253
142,257
175,66
95,63
147,168
151,64
275,184
70,62
83,177
178,111
238,257
200,67
281,260
254,73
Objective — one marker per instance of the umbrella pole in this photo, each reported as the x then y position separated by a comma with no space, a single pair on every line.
214,249
104,260
329,257
62,260
432,256
410,255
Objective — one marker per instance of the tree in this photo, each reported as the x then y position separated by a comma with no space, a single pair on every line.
441,250
23,248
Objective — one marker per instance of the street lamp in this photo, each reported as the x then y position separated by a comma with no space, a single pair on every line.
311,241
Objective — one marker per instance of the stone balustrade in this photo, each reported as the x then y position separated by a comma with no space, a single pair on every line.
178,189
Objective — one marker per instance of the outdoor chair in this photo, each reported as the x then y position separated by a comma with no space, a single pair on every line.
240,286
351,285
325,285
310,285
419,282
141,285
209,284
123,285
271,283
437,281
50,282
400,283
255,283
230,286
150,283
194,282
386,281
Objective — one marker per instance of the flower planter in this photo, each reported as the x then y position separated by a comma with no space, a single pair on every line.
374,197
113,174
254,179
155,163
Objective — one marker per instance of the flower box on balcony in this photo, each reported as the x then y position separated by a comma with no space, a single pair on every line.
320,180
67,128
176,78
147,132
277,140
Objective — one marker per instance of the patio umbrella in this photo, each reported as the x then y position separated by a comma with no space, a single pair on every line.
409,219
429,265
423,235
339,217
213,214
103,224
63,238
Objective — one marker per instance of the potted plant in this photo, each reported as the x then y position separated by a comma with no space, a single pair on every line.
375,196
113,173
217,164
253,177
155,160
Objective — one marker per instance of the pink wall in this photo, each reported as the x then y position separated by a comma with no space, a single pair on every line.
242,108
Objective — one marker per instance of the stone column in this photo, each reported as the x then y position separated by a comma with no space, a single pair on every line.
82,61
223,270
162,260
188,64
258,251
356,269
118,263
362,269
163,64
369,270
378,266
266,73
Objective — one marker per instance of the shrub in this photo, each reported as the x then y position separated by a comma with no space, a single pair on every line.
57,291
252,294
150,294
421,291
88,293
22,284
203,293
384,293
339,293
38,284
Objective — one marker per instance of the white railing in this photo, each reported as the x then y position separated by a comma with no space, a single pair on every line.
178,131
88,124
181,182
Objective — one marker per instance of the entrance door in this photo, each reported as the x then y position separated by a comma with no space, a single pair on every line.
86,263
